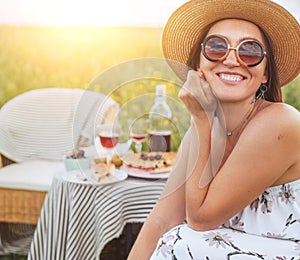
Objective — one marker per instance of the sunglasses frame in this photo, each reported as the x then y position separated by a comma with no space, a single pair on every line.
236,49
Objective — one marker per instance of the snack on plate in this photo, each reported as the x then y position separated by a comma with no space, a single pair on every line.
114,160
102,171
77,161
154,162
77,154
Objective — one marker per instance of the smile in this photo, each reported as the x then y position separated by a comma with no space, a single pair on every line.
230,77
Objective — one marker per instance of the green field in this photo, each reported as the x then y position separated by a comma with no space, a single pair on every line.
39,57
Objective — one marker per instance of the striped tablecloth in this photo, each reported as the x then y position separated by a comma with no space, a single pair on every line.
78,220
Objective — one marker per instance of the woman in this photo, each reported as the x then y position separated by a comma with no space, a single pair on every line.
236,182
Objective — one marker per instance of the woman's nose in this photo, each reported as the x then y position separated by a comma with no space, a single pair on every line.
231,59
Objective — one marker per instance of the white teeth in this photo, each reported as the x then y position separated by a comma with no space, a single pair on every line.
234,78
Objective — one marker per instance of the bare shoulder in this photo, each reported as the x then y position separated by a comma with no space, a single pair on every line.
280,109
280,117
274,125
274,122
275,132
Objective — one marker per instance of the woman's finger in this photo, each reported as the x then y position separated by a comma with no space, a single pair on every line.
196,94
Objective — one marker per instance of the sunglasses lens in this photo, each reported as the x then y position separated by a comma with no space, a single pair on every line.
250,52
215,48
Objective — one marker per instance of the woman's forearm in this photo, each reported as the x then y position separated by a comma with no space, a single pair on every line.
146,240
167,213
158,222
195,195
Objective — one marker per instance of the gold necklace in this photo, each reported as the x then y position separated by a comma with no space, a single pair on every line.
246,118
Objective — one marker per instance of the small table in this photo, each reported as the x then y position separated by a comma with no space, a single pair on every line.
78,220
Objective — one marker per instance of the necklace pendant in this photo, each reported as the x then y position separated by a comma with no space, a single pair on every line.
229,133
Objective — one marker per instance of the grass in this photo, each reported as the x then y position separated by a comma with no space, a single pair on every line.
39,57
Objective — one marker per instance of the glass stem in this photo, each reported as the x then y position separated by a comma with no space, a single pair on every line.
109,156
138,147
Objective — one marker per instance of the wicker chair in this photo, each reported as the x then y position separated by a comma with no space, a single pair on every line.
37,129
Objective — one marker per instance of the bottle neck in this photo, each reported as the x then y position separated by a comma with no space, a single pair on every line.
159,98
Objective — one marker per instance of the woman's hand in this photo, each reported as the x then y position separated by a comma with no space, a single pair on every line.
198,96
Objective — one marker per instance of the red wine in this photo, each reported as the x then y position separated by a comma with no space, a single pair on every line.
109,141
138,138
160,141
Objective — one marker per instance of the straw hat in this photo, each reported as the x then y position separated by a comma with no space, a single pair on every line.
189,21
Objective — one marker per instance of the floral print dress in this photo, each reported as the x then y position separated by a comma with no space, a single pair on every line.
268,228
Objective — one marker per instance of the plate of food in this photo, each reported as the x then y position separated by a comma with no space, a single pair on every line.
102,173
154,165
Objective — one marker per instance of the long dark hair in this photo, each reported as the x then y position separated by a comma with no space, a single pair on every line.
273,92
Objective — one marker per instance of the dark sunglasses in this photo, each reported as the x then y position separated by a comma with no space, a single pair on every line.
249,52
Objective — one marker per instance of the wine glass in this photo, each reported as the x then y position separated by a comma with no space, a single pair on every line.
138,130
109,137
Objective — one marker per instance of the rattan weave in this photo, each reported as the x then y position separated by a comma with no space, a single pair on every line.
20,206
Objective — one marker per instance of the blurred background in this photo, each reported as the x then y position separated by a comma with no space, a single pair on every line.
64,43
68,43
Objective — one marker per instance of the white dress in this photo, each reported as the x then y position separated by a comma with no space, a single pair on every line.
268,228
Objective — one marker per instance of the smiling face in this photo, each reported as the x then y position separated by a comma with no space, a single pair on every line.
231,80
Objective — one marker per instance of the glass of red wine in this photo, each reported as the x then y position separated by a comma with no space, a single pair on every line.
138,130
109,137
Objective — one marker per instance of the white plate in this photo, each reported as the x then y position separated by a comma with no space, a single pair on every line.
117,177
86,177
145,175
75,176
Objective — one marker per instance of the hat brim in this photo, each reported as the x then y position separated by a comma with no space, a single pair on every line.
188,22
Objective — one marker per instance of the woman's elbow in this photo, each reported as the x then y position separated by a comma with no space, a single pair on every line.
199,223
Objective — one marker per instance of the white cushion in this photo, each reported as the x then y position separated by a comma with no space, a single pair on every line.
30,175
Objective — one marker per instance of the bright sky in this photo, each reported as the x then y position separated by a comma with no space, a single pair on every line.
98,12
